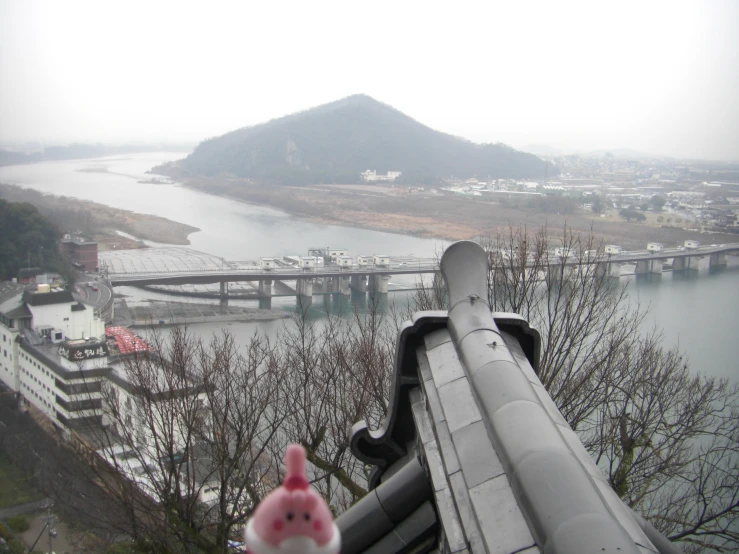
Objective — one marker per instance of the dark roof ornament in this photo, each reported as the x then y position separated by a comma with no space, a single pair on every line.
505,472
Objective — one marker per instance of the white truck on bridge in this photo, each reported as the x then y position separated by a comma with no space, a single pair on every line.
613,249
382,260
563,252
335,253
267,263
692,244
345,261
655,247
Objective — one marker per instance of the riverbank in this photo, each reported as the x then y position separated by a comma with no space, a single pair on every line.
435,215
101,221
160,312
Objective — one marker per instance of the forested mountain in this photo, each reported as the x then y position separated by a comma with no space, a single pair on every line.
26,236
335,142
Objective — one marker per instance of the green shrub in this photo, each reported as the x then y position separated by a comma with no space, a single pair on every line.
19,524
12,545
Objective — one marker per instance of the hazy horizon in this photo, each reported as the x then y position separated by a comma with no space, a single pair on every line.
659,78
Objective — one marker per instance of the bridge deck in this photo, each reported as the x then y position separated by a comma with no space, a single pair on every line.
178,265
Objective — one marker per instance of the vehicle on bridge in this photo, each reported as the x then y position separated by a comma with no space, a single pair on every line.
382,260
267,263
307,262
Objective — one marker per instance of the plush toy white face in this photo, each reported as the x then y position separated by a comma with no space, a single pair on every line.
293,518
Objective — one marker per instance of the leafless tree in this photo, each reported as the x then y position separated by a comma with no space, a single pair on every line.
217,420
184,452
336,372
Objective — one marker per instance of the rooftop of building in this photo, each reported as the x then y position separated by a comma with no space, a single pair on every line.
11,300
53,296
78,239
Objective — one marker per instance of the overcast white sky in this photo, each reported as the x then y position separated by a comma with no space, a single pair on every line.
660,77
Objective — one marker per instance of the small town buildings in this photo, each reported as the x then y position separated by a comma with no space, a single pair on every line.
371,176
60,361
54,353
81,250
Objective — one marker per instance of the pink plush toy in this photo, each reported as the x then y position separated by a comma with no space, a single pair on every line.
293,518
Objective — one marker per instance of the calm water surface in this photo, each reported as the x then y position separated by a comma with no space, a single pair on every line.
699,312
233,230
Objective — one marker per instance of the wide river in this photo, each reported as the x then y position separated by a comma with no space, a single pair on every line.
700,313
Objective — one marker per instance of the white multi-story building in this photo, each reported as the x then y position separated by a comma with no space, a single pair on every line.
54,352
55,356
371,176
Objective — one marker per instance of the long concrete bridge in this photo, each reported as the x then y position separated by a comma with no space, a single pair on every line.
362,276
683,258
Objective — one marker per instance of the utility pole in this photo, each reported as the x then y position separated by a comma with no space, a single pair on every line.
52,531
48,525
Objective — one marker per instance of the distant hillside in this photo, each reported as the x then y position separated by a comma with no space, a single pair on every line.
26,238
335,142
541,150
82,151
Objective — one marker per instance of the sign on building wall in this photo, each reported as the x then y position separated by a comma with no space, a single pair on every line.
83,351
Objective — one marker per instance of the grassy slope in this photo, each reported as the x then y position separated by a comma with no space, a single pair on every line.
16,487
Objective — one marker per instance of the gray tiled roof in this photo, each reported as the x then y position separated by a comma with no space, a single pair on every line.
11,296
506,473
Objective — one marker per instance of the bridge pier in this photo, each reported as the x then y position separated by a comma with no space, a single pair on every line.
607,269
344,286
265,293
331,284
717,259
359,283
304,288
648,266
224,292
684,263
656,266
379,283
265,288
559,272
